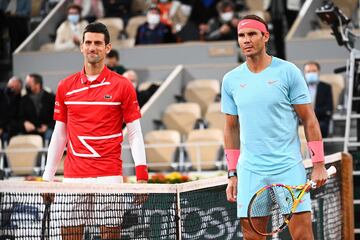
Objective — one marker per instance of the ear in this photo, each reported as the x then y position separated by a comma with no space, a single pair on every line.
81,47
266,36
108,48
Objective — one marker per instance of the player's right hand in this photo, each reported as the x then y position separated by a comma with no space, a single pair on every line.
231,189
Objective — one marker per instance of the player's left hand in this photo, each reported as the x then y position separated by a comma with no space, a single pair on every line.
319,174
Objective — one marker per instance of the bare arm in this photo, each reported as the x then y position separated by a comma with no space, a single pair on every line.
312,132
231,141
232,132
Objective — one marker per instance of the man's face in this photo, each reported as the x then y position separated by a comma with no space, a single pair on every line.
30,85
252,41
111,62
94,48
311,68
15,86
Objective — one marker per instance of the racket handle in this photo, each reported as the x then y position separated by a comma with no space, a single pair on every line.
330,172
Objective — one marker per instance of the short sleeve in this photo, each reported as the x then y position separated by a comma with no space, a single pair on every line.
298,90
60,109
228,105
129,103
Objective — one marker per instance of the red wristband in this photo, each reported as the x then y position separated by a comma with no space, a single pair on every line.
316,150
232,156
142,172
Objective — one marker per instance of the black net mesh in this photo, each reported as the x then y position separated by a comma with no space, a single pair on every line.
204,214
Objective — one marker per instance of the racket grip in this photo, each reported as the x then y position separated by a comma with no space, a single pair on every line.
330,172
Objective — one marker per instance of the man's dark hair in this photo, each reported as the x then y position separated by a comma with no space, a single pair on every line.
257,18
113,54
222,5
97,27
37,78
313,63
75,6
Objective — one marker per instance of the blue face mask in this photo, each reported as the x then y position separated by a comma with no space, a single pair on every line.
312,77
73,18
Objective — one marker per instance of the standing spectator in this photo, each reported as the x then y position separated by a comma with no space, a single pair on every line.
153,31
112,62
9,108
37,108
15,17
224,26
68,35
91,9
321,96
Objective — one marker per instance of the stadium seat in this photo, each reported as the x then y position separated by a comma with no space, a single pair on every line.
22,153
161,158
145,85
204,148
115,26
182,116
203,92
214,117
133,24
337,84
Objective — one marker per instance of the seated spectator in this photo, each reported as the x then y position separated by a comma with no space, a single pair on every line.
9,108
68,35
91,9
37,108
112,62
224,26
142,96
153,31
173,13
321,95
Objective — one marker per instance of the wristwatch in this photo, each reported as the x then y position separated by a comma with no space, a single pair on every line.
232,174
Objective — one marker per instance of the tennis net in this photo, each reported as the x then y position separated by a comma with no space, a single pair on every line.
193,210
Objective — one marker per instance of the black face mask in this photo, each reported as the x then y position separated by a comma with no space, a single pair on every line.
28,89
10,91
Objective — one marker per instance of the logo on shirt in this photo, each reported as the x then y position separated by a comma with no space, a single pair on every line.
272,82
107,96
57,103
243,85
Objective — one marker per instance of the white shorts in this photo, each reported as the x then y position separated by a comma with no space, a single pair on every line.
93,208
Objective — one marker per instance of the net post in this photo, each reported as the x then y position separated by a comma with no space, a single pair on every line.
178,213
347,196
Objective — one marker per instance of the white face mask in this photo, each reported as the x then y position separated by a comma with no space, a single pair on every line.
153,19
227,16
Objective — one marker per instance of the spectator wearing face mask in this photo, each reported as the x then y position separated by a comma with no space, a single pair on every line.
153,31
321,96
68,35
37,108
9,108
224,26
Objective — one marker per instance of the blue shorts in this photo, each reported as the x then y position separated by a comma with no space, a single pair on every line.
249,183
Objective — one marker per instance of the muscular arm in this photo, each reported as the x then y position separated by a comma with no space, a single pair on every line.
231,132
231,141
312,133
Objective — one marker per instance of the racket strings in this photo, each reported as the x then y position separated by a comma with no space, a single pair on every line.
271,207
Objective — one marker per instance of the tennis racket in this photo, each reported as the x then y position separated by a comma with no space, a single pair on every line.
271,208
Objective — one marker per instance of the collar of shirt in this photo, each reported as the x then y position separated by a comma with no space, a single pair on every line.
101,78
